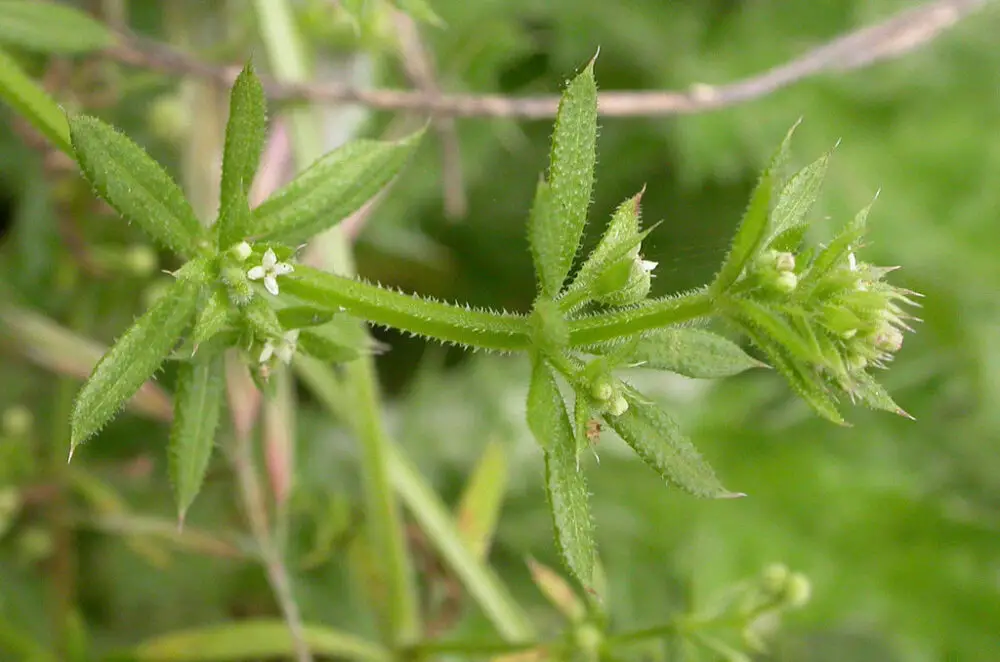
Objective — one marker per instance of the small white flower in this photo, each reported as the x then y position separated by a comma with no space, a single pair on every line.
648,265
269,270
852,262
285,349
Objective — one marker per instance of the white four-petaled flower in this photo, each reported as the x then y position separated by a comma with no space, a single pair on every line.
269,269
285,349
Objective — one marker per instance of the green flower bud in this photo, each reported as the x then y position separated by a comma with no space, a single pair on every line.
241,251
784,262
625,283
888,338
602,389
617,406
774,578
141,260
237,284
798,590
786,282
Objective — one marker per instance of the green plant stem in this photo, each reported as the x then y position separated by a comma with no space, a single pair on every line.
385,526
480,328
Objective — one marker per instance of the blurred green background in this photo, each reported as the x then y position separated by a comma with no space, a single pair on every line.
896,523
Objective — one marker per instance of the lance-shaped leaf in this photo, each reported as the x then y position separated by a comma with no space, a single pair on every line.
564,481
835,253
135,185
798,196
479,508
197,403
621,240
31,101
657,439
212,318
51,27
691,352
751,233
873,395
133,359
340,340
240,155
296,317
756,223
556,231
330,189
777,327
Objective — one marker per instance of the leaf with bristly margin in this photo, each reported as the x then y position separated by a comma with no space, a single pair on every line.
212,318
756,223
658,441
777,327
135,185
253,640
197,404
798,196
50,27
241,154
26,97
621,240
331,189
133,359
803,379
479,508
873,395
835,253
340,340
693,353
556,234
564,480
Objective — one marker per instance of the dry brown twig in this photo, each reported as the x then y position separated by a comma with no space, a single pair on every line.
886,40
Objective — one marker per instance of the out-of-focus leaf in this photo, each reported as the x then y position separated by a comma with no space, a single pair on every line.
234,642
31,101
557,591
420,10
479,507
51,27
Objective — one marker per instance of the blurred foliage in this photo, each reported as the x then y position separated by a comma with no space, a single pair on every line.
896,523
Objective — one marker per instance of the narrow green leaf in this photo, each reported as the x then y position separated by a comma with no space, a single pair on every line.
803,379
874,395
26,97
51,27
691,352
658,441
540,221
133,359
544,401
330,189
135,185
621,239
262,318
433,319
297,317
836,251
212,318
798,196
197,403
338,341
751,233
557,591
556,234
241,155
482,499
776,326
255,639
421,10
564,480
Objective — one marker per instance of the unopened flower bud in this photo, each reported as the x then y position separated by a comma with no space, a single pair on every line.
618,406
889,338
141,260
798,590
602,390
241,251
774,578
17,421
786,282
784,262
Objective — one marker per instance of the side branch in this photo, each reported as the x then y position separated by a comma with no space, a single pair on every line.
886,40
